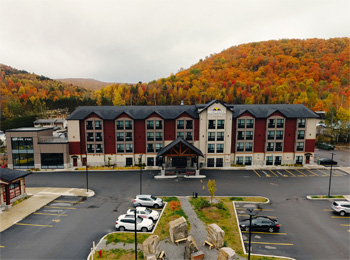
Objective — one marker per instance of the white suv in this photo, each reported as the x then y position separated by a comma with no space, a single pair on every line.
127,222
148,201
341,207
144,212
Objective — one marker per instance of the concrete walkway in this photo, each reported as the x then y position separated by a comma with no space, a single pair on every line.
39,198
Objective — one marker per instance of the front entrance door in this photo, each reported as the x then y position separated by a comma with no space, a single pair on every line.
179,162
75,162
307,159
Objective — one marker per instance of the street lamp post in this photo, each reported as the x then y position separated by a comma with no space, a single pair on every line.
135,235
140,164
330,176
251,214
86,173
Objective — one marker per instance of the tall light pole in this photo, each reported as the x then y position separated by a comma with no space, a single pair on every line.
251,214
140,164
135,235
86,173
330,176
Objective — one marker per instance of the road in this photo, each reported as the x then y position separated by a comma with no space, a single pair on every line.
72,236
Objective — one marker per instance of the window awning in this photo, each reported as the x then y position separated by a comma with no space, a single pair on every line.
180,148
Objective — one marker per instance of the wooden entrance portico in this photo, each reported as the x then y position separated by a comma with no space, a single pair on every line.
180,157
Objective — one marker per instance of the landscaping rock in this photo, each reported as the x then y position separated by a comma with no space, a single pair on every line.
151,246
190,247
227,253
178,229
215,235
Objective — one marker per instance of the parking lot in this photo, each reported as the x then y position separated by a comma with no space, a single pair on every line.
299,173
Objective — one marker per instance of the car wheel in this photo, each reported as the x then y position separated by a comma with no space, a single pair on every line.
144,229
246,228
342,213
121,228
271,229
156,206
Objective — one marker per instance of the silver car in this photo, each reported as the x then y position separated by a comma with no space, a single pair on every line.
127,222
148,201
341,207
144,212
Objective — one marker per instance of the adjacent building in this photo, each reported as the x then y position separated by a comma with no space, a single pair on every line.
206,135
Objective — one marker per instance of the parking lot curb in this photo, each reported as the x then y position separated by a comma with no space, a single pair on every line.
346,197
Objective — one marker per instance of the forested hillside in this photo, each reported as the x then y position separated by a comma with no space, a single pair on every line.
314,72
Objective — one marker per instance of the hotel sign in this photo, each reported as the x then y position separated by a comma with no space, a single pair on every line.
216,112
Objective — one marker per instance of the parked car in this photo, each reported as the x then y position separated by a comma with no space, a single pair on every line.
341,207
144,212
127,222
325,146
260,224
326,161
148,201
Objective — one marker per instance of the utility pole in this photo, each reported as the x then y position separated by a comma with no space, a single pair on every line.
330,176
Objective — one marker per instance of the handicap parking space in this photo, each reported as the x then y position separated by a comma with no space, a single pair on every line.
264,242
52,213
286,173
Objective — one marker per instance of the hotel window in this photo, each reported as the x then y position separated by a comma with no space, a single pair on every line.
128,124
269,160
239,160
279,135
99,148
128,136
300,146
240,135
120,148
189,136
250,123
150,136
241,123
189,124
120,125
159,136
240,147
180,124
221,124
159,124
98,137
271,123
269,147
90,137
299,160
278,147
98,125
150,148
220,136
210,162
301,122
158,147
280,123
270,135
219,148
248,147
90,148
301,134
128,148
211,148
211,136
219,162
120,136
180,134
249,135
89,125
150,124
248,160
211,124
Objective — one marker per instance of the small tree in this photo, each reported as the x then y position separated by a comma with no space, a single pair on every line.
211,189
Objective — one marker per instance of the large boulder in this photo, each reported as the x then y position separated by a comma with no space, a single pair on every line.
215,235
190,247
226,253
151,246
178,229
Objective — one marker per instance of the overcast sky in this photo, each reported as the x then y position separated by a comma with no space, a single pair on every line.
143,40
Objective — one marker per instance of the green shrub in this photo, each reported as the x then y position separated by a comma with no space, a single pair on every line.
236,199
200,203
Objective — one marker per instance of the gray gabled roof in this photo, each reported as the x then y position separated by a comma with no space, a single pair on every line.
175,142
135,112
8,175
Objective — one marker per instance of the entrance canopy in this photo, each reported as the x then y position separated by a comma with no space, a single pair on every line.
179,148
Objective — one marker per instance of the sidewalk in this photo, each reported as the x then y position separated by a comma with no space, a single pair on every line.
39,198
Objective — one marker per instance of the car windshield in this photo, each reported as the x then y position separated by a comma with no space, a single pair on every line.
148,211
153,197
